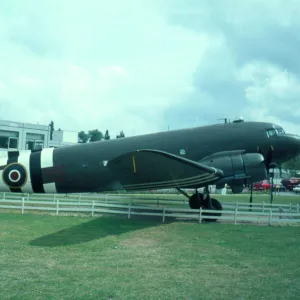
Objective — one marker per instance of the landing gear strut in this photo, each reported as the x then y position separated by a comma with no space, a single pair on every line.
271,175
204,201
251,196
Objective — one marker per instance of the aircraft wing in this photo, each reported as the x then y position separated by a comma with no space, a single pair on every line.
155,169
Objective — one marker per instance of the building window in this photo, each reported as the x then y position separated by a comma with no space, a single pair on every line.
13,143
34,141
38,145
9,139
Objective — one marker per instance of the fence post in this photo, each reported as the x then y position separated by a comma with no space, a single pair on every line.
27,196
290,208
93,207
263,206
235,216
57,207
200,215
3,196
236,205
23,204
129,211
79,198
164,211
54,197
105,198
270,217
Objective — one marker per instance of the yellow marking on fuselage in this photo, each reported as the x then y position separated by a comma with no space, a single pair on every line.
134,165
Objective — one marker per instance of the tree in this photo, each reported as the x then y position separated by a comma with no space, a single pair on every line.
83,137
95,135
293,166
107,136
51,125
121,135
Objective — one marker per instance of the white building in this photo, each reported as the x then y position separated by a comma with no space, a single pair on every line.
63,138
23,136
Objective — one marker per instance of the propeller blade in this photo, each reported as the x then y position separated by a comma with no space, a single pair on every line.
268,158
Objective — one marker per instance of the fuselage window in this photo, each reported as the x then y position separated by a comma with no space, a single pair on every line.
271,132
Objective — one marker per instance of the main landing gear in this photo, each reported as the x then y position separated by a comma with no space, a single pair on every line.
204,201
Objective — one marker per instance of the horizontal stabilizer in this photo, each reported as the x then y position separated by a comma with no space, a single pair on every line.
154,169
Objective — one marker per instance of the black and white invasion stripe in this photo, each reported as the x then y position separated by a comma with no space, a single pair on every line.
3,164
33,170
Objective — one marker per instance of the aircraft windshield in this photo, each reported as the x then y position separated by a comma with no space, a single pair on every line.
275,131
280,131
271,132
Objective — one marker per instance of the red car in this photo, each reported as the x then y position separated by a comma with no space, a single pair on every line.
262,185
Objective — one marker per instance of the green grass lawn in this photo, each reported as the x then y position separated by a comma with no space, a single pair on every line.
47,257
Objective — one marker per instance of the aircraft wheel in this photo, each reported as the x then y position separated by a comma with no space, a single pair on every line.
216,205
196,201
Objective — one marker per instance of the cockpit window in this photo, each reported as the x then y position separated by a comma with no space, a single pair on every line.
275,131
271,132
280,131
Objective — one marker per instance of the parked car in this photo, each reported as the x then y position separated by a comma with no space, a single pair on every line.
262,185
266,185
280,187
296,189
290,183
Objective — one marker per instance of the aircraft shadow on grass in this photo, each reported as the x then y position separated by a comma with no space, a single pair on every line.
92,230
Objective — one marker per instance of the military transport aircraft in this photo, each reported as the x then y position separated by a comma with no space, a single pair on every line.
237,154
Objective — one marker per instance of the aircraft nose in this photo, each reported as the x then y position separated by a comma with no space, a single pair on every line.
293,144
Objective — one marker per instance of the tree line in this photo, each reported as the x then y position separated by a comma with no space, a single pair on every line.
293,166
91,136
96,135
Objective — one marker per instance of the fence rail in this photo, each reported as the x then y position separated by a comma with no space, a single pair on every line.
236,215
149,200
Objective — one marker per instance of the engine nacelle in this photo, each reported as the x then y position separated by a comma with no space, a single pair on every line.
239,167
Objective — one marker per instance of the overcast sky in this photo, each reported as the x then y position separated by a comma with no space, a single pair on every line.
141,66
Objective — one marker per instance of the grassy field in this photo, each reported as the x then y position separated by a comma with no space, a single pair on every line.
46,257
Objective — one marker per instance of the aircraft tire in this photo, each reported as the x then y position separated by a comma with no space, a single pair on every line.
195,202
216,205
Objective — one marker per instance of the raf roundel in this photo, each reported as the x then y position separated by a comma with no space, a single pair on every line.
14,175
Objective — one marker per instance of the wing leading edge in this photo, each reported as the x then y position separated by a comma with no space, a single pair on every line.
154,169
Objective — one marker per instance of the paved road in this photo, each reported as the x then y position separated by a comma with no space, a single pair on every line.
292,194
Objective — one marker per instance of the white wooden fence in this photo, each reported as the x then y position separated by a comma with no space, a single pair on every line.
233,213
148,200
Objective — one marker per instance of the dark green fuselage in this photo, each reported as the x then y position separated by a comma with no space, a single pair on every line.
82,167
